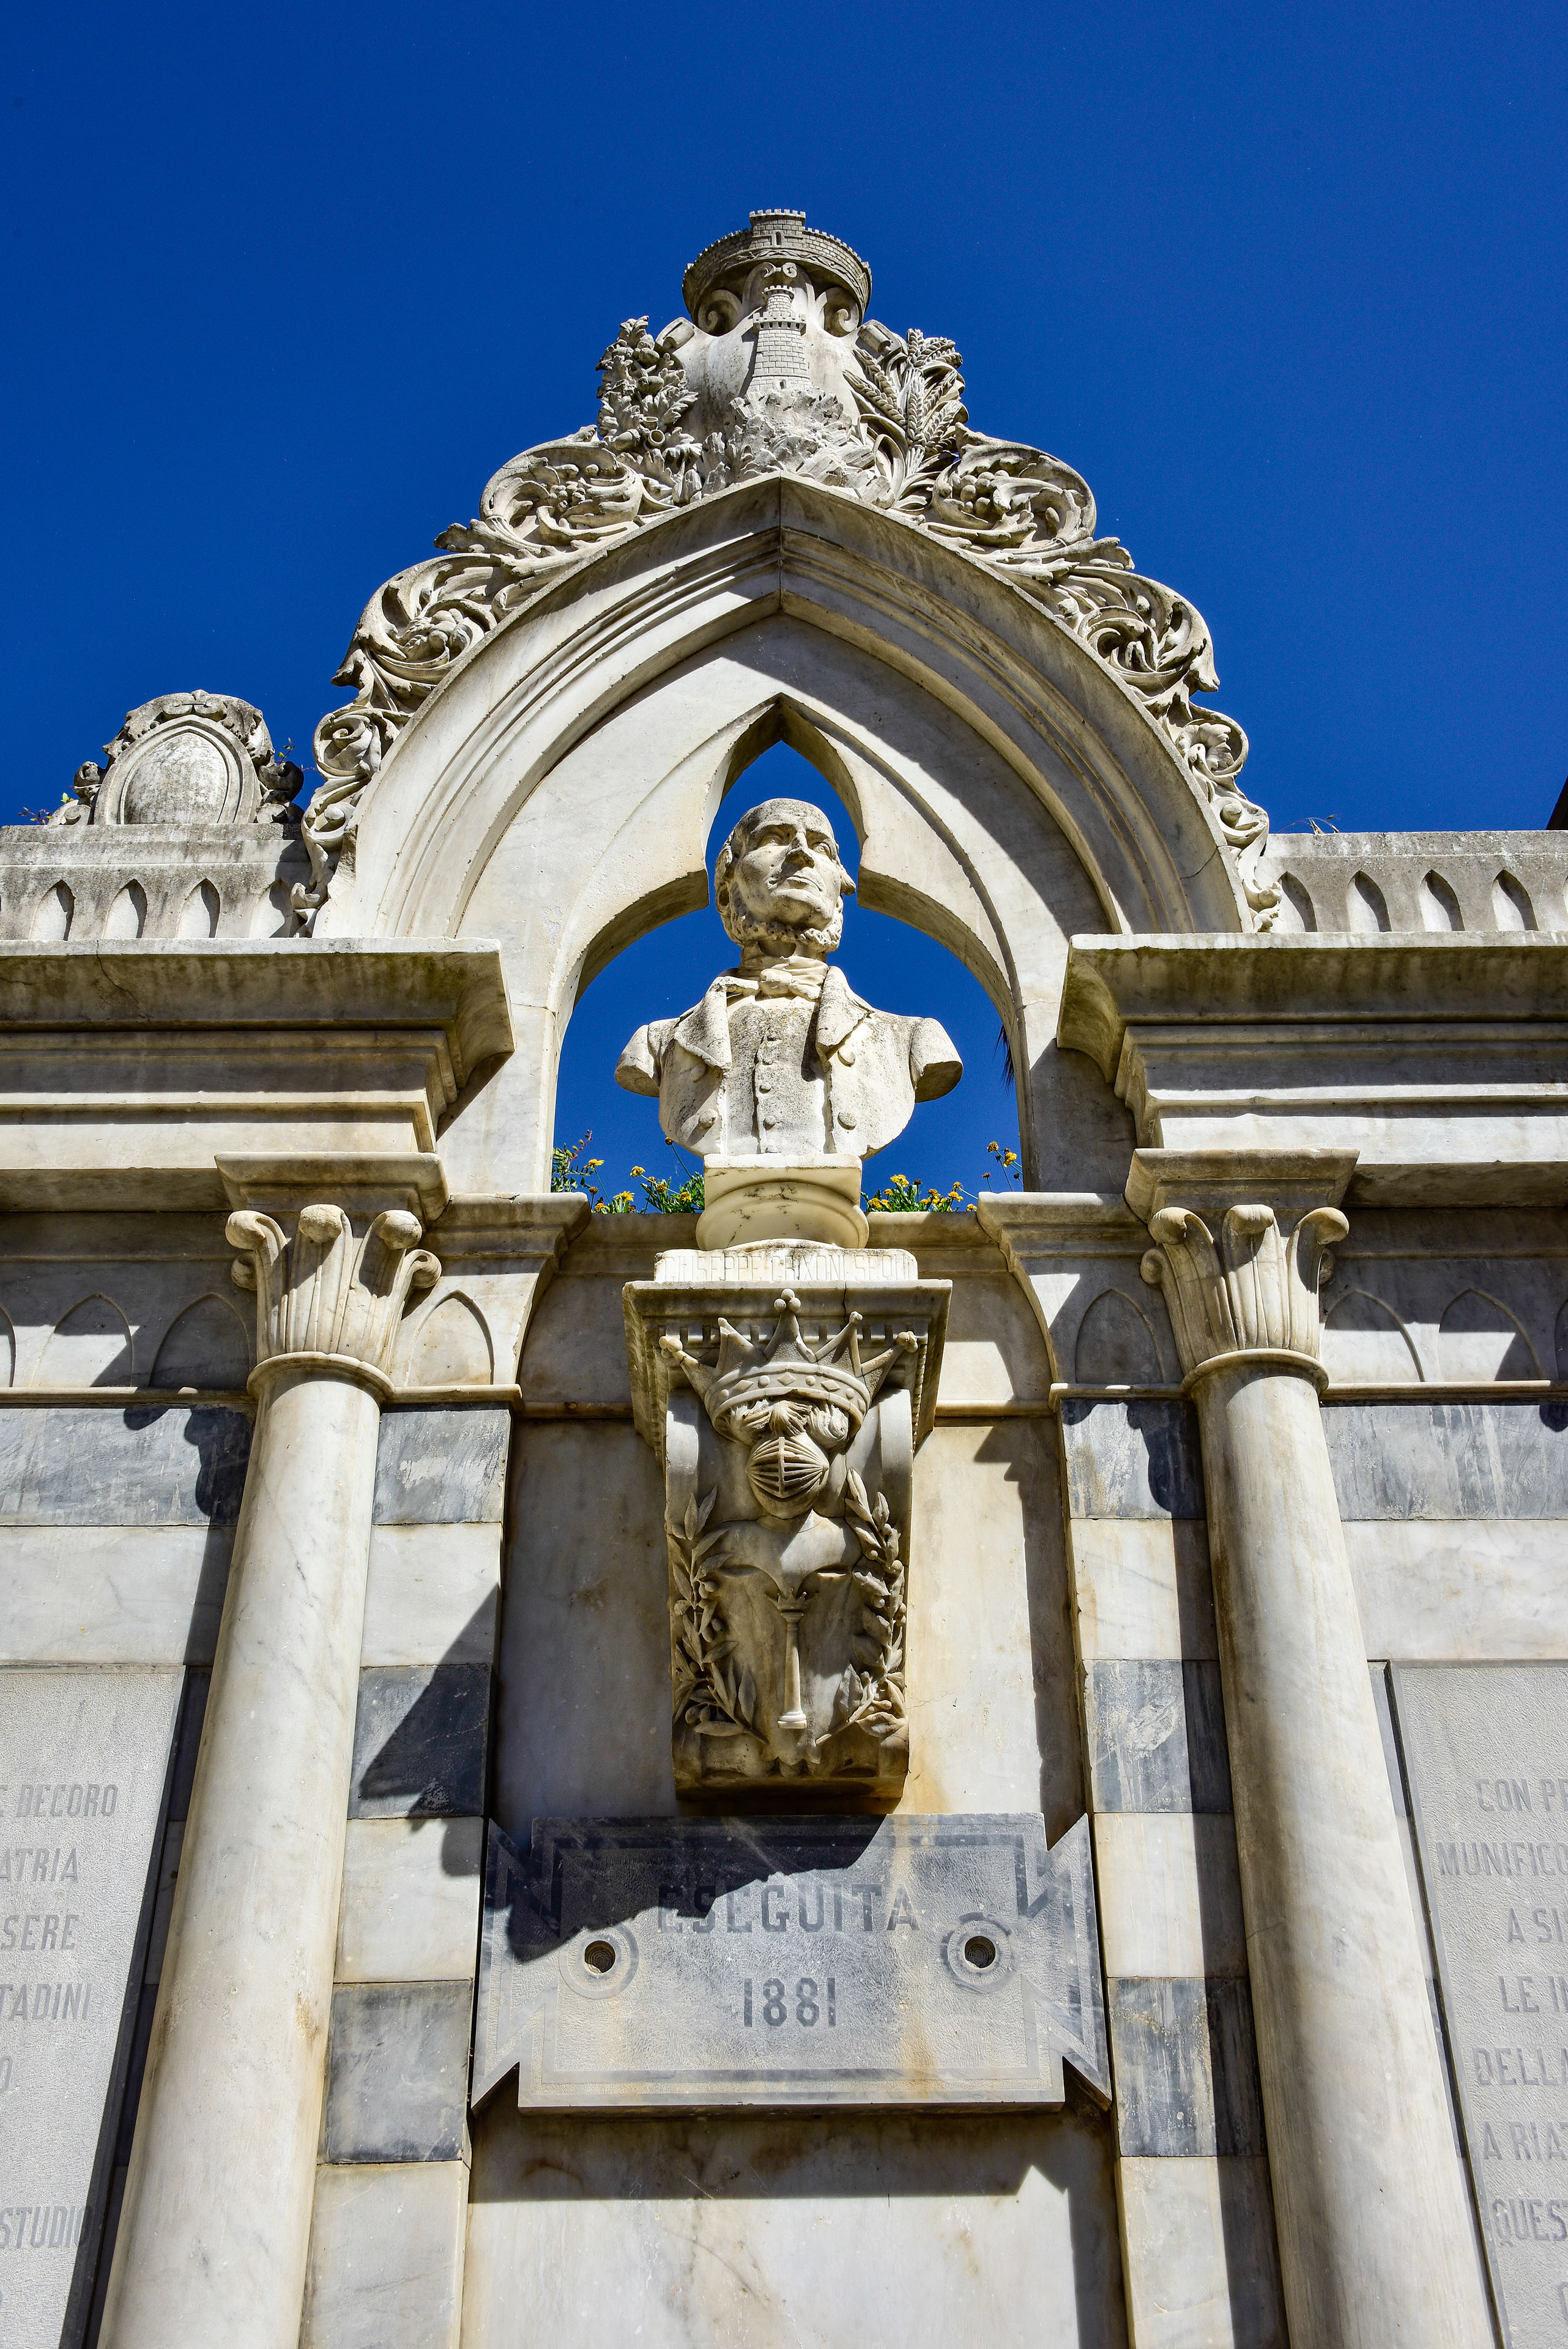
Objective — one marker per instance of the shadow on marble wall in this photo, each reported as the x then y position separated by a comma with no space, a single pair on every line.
597,2172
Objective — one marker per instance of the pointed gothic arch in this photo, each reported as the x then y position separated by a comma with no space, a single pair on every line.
556,791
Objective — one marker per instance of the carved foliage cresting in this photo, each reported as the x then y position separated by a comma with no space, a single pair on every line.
1256,1286
186,759
780,373
787,1522
327,1291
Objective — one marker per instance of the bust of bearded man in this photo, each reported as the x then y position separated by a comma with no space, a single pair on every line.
780,1058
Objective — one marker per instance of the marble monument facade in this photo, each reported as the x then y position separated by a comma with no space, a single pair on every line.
792,1775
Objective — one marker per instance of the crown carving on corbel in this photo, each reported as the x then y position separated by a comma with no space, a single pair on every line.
186,759
794,1404
777,369
325,1290
1240,1278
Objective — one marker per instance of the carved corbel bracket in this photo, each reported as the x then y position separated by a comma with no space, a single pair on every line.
786,1422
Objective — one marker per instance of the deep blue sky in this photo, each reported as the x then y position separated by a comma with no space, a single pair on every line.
1287,287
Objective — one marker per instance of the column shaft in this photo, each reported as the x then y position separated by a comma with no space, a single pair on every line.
215,2225
1375,2243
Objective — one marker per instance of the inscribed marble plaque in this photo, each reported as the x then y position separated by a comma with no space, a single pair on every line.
630,1964
1486,1750
83,1763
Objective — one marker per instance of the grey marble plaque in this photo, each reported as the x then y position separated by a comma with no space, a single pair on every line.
631,1964
84,1760
1486,1752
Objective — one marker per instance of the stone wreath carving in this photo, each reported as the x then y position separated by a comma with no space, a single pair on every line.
787,1615
776,368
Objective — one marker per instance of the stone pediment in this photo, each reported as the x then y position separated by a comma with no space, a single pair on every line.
777,370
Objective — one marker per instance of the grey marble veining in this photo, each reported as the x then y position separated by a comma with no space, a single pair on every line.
396,2080
445,1465
146,1465
420,1741
1156,1734
1186,2067
1132,1459
1443,1460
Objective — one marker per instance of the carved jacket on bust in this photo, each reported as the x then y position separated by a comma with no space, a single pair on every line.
781,1056
845,1077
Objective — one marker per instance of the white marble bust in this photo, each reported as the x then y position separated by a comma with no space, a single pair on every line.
780,1058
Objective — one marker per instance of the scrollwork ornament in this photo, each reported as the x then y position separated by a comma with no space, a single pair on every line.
835,398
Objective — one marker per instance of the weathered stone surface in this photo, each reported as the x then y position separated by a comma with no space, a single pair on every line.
84,1763
1426,1458
1170,1900
146,1465
433,1594
639,1963
441,1467
397,2083
386,2256
835,2230
1143,1588
1202,2272
420,1738
1486,1748
1131,1459
1473,1588
1186,2068
112,1594
411,1899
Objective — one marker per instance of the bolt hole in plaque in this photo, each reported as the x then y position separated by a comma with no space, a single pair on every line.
980,1953
600,1963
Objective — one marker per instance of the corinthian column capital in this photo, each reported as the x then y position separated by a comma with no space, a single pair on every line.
328,1291
1241,1239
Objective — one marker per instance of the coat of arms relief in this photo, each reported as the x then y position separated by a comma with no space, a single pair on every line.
788,1429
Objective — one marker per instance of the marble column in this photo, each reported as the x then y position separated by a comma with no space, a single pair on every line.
1377,2246
215,2225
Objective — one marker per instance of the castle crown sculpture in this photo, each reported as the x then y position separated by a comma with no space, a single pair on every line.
749,1379
778,235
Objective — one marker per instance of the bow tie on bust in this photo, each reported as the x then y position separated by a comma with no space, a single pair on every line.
797,975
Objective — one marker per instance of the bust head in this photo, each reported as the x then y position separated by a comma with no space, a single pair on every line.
779,885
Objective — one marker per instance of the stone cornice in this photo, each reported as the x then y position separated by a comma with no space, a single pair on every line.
1439,1059
128,1068
200,985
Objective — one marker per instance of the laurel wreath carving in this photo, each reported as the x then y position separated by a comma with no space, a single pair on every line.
872,1698
708,1690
